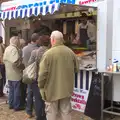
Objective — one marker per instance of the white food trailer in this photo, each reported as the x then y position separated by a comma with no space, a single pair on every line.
108,47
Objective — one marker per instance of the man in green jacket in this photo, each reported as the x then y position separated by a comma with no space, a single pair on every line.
56,78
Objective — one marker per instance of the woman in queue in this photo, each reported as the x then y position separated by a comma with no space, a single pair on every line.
13,63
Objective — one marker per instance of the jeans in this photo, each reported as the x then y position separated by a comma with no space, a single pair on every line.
1,87
23,94
29,105
38,103
2,70
14,94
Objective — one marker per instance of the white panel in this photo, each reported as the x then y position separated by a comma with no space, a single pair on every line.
116,55
116,47
116,80
116,26
101,36
2,30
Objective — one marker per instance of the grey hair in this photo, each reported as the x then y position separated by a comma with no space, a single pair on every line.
15,41
58,36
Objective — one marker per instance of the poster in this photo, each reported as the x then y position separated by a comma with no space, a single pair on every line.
79,99
81,90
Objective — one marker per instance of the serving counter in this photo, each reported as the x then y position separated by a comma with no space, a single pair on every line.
87,86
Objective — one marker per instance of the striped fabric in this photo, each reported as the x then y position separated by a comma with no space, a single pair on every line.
29,12
83,79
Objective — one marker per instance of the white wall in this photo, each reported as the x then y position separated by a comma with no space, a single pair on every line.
2,30
101,35
116,45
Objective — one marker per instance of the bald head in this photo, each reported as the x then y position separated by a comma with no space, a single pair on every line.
56,37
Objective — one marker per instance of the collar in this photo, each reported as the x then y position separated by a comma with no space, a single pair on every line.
14,46
84,26
57,44
32,44
44,47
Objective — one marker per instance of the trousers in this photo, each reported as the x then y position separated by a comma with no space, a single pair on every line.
29,105
14,94
3,80
38,103
35,98
58,110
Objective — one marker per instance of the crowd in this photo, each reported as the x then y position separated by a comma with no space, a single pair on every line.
50,92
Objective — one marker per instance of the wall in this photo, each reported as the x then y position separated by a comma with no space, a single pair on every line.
116,46
101,35
2,30
12,23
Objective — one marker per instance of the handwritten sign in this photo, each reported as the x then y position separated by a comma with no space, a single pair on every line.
81,90
79,99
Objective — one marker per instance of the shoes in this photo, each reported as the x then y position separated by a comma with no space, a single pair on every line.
10,107
41,118
29,116
19,109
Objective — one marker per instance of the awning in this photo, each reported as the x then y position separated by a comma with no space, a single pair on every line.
22,13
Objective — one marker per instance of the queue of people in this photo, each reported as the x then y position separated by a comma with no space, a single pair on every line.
51,91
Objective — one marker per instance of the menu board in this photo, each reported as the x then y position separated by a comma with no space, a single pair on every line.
93,106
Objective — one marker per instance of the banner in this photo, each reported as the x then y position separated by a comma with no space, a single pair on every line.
81,91
20,4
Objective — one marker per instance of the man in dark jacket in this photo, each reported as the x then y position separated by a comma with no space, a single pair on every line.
26,55
36,55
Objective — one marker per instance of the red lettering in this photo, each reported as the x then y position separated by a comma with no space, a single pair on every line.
82,97
79,101
76,95
86,2
8,9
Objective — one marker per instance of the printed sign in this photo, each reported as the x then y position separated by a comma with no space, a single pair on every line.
82,87
82,2
17,5
79,99
37,4
87,2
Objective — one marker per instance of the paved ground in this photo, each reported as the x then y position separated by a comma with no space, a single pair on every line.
3,100
6,114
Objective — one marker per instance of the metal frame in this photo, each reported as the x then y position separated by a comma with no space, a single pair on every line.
107,110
